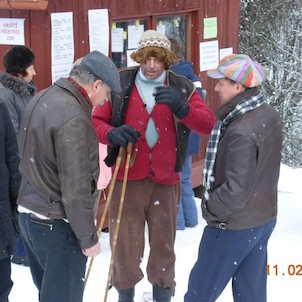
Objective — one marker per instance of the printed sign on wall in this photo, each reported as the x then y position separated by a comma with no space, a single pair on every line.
12,31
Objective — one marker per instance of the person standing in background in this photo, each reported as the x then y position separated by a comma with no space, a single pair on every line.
187,210
9,185
241,173
19,89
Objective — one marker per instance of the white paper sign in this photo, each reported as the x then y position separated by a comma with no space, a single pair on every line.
117,42
12,31
99,30
161,28
62,39
223,52
130,62
134,34
60,71
208,55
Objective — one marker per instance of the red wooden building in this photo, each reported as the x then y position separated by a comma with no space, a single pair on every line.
183,19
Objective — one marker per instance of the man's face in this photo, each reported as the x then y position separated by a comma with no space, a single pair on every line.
152,68
227,90
100,93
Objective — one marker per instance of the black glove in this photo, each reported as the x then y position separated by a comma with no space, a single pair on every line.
120,136
169,96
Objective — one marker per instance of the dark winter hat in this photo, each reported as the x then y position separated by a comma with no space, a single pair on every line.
241,69
103,68
17,59
153,38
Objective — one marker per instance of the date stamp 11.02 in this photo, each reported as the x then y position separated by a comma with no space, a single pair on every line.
289,270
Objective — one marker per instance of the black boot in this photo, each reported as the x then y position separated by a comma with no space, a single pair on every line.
161,294
125,295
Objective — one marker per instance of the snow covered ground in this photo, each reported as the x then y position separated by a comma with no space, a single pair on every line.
284,256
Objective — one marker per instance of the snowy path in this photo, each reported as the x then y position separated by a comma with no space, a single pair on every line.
285,252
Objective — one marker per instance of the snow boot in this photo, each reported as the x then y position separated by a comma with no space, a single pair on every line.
125,295
161,294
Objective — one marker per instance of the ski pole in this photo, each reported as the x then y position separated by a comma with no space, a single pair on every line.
111,187
119,215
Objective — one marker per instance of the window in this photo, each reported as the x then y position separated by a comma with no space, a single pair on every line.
176,27
125,35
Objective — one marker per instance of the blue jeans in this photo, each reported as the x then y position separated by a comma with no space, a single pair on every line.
5,279
187,211
55,258
237,255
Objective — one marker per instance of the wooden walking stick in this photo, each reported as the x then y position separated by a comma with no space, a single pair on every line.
111,187
119,215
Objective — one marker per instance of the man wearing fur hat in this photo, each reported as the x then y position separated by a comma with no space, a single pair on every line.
241,174
155,110
59,168
19,89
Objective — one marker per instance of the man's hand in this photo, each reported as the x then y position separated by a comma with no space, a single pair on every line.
169,96
120,136
92,251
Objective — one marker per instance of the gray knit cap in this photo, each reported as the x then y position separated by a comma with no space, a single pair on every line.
153,38
103,68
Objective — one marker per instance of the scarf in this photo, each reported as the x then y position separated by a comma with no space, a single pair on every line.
220,126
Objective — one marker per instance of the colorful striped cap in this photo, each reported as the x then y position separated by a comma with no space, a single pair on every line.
241,69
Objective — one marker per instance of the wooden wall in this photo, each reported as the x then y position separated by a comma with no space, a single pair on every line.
38,28
38,32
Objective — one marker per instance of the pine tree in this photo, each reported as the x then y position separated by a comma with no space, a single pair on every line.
271,33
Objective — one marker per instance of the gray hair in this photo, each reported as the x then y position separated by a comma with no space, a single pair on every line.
81,74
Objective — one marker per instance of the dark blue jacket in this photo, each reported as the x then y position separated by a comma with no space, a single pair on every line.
186,69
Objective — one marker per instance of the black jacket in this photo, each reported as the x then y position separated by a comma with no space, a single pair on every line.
9,182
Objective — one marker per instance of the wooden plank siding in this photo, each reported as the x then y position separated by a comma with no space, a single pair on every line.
38,30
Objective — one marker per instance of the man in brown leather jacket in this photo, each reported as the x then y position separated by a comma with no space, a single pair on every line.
241,174
59,167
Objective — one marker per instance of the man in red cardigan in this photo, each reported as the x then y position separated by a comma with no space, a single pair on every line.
156,111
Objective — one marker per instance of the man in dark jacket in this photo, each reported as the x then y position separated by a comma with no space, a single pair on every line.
9,185
19,89
156,109
59,167
241,174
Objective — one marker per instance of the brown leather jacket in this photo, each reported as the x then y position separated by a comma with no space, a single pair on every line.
59,159
244,194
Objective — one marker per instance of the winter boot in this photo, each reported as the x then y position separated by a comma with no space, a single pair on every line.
125,295
161,294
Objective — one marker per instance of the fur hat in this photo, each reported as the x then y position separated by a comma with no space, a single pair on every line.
103,68
241,69
153,38
17,59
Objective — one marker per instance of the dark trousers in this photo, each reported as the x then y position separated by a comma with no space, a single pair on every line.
20,250
156,205
56,261
237,255
5,280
